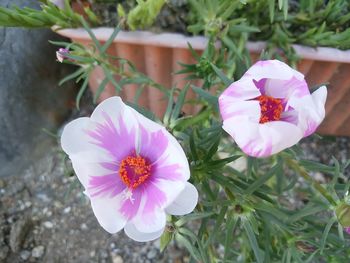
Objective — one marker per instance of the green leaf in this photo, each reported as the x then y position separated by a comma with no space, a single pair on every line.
110,77
179,103
231,224
271,10
110,40
165,240
189,246
218,222
193,237
193,52
252,240
263,179
285,9
213,100
82,89
100,89
306,211
325,233
191,217
188,121
92,35
166,118
74,75
221,75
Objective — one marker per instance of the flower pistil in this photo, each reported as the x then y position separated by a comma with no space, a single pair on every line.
134,171
271,108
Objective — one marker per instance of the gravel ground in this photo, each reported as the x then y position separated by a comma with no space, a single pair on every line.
44,216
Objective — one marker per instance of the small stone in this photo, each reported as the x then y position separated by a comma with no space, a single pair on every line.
38,252
117,259
25,254
57,204
103,254
92,254
66,210
48,224
83,226
18,233
4,252
152,254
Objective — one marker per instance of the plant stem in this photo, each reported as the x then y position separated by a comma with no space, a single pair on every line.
323,191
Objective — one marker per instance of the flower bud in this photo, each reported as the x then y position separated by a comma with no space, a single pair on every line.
343,214
61,54
347,230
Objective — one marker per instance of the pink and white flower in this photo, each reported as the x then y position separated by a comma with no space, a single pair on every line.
347,230
61,54
134,171
270,108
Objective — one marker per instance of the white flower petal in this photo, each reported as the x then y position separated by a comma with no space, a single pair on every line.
107,213
272,69
174,154
285,89
185,202
115,108
230,107
172,189
74,137
262,140
311,110
284,134
132,232
87,164
241,90
150,223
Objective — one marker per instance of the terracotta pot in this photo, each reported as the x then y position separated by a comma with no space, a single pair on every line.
157,55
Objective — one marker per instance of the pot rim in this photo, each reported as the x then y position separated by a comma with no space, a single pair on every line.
177,40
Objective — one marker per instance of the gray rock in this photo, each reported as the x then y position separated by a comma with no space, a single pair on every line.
38,251
116,258
30,99
25,254
152,253
18,233
4,252
48,224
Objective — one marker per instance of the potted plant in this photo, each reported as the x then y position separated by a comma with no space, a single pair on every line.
288,30
147,175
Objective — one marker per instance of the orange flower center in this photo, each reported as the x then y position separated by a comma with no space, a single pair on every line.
134,170
271,108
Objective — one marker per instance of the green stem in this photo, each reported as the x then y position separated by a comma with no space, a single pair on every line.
323,191
229,193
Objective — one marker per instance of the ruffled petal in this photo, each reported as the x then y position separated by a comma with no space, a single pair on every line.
231,108
74,137
285,89
311,110
169,159
87,164
132,232
240,90
107,213
272,69
111,132
150,223
185,202
262,140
